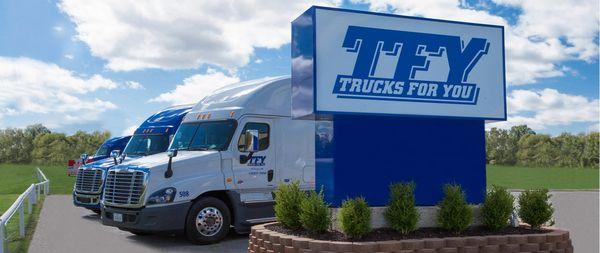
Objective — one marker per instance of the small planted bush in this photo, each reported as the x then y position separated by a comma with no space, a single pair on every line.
455,214
355,218
314,213
401,213
287,204
497,208
535,207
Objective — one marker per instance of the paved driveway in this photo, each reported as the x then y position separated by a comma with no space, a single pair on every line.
577,211
65,228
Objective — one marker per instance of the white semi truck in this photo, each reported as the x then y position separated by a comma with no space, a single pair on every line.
228,155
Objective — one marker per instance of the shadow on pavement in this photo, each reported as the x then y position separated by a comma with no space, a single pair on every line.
232,243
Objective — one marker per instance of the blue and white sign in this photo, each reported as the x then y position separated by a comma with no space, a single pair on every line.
368,63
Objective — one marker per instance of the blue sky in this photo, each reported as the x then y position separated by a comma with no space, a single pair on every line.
107,65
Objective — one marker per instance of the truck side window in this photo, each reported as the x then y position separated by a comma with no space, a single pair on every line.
263,135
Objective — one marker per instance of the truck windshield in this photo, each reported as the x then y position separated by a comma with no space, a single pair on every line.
102,151
147,144
211,135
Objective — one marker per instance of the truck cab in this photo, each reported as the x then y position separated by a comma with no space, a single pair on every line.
226,159
151,137
103,152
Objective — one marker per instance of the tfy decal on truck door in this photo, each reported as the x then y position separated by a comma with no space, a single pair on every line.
257,161
413,52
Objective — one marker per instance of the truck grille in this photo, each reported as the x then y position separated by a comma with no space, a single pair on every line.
124,188
88,181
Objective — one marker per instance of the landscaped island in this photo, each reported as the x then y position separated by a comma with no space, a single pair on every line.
264,239
306,224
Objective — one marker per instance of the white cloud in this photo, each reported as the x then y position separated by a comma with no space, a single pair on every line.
34,87
183,34
58,28
545,35
134,85
69,56
196,87
542,108
594,128
130,130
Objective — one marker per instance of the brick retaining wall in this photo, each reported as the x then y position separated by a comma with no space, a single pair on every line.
263,240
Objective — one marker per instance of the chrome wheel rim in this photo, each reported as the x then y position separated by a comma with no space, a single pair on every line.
209,221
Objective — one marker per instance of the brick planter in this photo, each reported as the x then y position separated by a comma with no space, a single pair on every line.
263,240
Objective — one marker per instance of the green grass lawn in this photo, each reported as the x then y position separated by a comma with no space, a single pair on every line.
17,177
14,180
516,177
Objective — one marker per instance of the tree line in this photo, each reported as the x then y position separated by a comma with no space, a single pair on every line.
37,144
520,145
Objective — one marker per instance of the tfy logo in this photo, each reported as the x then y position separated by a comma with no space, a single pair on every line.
257,161
407,58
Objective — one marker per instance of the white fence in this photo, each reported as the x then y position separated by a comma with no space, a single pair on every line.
31,195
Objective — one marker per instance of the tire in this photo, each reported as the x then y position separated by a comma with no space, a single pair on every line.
216,219
96,211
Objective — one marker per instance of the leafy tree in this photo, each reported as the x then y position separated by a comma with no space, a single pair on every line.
51,148
10,145
82,142
501,148
570,150
590,149
537,150
517,132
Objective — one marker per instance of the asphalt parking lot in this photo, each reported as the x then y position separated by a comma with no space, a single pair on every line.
65,228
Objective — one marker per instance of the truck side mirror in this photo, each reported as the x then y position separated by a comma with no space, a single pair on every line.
170,153
250,144
114,154
84,158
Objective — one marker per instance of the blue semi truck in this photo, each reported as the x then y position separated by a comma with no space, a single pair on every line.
151,137
103,152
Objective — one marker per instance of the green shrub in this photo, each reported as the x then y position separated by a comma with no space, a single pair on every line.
497,208
455,214
314,213
287,204
535,207
401,213
355,217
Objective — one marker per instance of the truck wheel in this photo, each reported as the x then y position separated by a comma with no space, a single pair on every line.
208,221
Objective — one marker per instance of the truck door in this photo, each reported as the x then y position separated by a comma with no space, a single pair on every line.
255,176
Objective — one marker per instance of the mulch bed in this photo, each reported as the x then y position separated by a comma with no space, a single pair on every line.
386,234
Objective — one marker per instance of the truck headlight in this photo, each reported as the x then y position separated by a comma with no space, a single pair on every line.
163,196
